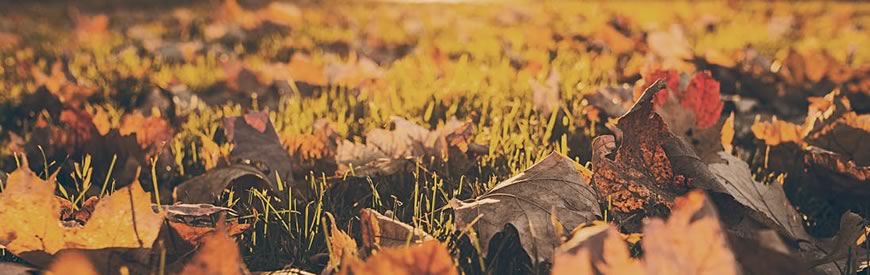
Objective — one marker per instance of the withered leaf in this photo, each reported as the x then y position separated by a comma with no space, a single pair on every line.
255,142
218,255
382,231
430,257
670,247
526,201
640,175
342,248
208,188
32,228
389,151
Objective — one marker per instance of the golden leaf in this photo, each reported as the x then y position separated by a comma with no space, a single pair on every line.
32,230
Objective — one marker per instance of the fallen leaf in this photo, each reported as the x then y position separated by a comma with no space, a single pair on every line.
669,246
151,132
430,257
255,142
218,255
32,229
342,248
389,151
381,231
640,176
525,201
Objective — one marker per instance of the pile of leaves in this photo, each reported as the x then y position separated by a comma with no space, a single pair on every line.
373,138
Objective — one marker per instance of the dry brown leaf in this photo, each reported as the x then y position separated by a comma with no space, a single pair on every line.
382,231
526,201
342,248
430,257
670,247
388,151
32,229
640,176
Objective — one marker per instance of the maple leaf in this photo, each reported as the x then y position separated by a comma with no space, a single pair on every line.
670,247
430,257
32,228
527,202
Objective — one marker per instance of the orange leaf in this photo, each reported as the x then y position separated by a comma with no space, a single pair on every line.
31,216
218,255
431,257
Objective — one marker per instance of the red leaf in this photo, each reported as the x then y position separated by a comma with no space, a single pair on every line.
702,97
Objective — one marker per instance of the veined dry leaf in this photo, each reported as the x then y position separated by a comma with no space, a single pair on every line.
32,229
525,201
388,151
218,255
640,175
382,231
430,257
671,247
